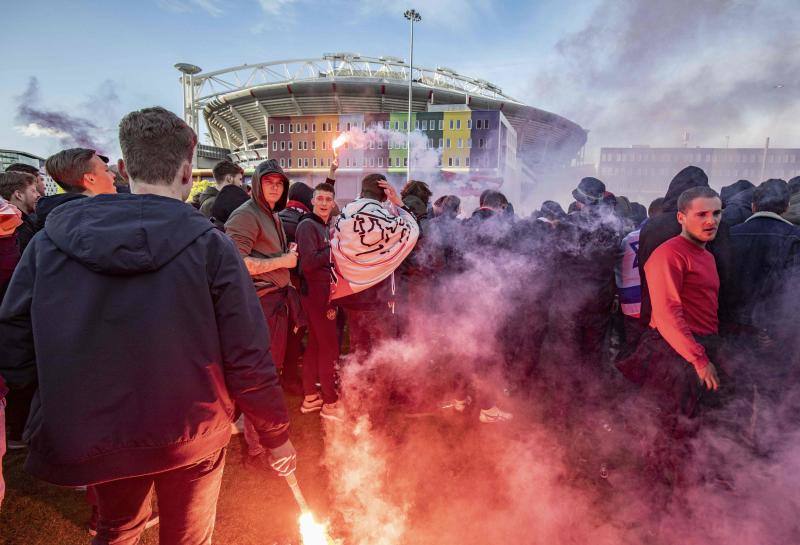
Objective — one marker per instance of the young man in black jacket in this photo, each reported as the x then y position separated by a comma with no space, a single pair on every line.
314,249
178,341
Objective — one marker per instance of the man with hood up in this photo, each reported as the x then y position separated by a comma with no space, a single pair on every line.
736,202
144,354
665,226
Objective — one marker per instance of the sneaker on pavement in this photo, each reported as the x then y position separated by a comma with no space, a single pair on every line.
333,411
311,405
493,415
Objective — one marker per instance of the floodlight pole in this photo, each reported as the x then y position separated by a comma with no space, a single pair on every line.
414,17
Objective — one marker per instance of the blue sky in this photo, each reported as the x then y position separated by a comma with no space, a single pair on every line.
605,64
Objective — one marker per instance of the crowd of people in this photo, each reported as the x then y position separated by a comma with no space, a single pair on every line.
136,328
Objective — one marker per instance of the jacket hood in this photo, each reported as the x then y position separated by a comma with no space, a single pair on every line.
45,205
687,178
125,234
741,198
269,166
734,189
300,192
229,199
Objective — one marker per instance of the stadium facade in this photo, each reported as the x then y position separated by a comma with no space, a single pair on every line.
243,108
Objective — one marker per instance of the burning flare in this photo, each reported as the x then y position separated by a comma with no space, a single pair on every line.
313,532
338,142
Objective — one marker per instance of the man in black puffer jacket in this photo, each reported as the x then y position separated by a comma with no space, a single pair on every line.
147,341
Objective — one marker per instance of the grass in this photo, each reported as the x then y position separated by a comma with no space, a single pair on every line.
254,508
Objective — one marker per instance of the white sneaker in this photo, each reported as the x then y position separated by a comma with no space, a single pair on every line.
493,415
311,405
12,444
333,411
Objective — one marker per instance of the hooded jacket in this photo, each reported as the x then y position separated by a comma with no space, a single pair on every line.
663,227
229,199
206,200
738,207
297,206
45,205
257,231
143,359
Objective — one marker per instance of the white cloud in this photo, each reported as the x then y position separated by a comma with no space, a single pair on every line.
274,7
34,130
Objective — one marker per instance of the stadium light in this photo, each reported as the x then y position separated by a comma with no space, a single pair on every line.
414,17
188,72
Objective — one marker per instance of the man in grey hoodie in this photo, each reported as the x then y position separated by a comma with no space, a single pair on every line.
258,233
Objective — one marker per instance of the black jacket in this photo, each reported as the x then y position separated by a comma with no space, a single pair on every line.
314,249
738,208
45,205
141,326
663,227
25,231
229,199
764,266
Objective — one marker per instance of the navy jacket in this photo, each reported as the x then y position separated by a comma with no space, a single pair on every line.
141,326
763,273
314,249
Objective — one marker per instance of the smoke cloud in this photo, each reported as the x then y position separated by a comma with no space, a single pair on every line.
573,465
70,130
643,72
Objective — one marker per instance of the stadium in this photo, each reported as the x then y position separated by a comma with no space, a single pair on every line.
246,110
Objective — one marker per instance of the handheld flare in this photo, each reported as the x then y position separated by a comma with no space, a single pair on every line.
338,142
291,480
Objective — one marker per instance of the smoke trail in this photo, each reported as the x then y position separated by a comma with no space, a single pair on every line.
68,129
644,72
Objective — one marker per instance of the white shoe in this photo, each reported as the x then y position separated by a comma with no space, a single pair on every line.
332,411
493,415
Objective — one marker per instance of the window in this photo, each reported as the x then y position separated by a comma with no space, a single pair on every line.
337,127
441,124
272,128
290,145
424,125
386,125
469,123
440,142
389,145
372,161
372,144
289,162
466,161
314,162
324,145
405,125
417,125
469,142
281,128
274,145
297,128
313,144
449,161
458,123
348,127
485,124
447,144
397,125
380,161
283,162
329,161
363,126
305,162
305,127
481,143
313,127
348,161
291,128
460,143
380,144
458,161
405,161
451,124
283,145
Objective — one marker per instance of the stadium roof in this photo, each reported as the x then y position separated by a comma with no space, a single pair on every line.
237,101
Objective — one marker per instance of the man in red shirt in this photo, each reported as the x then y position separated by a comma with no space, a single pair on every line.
684,291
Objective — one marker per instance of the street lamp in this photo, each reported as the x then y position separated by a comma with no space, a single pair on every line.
414,17
188,71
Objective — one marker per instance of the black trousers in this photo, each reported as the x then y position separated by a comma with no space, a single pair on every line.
319,362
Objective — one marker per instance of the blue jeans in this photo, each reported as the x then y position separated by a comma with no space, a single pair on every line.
187,504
